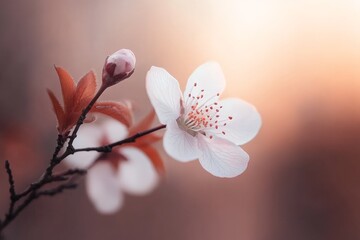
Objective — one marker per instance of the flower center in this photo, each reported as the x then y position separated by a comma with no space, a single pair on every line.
202,114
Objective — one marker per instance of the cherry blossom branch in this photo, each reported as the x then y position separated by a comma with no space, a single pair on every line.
117,67
33,191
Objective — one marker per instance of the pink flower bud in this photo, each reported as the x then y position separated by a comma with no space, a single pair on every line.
118,66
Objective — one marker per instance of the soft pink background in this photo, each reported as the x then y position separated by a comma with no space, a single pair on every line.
298,62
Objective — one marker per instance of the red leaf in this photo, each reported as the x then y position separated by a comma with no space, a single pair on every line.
144,124
149,139
85,91
155,158
59,111
68,87
118,111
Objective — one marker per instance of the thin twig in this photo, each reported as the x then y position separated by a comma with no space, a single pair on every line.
57,190
108,148
13,196
65,175
71,172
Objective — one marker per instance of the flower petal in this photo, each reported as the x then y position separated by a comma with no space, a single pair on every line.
179,144
164,94
115,110
239,121
137,175
221,157
205,83
103,188
87,136
114,130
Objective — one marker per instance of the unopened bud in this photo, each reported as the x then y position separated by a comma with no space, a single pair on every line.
118,66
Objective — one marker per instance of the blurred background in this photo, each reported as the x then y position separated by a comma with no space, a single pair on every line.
298,62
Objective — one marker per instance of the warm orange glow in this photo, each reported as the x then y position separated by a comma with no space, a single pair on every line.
297,61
